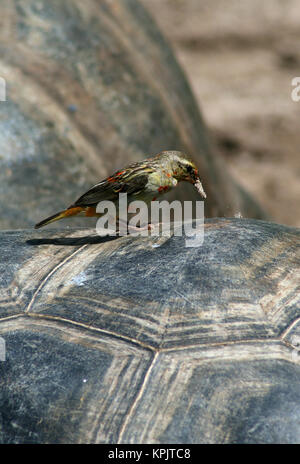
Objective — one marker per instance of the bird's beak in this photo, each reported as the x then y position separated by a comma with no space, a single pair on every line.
199,188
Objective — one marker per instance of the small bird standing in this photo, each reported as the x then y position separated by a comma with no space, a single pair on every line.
144,180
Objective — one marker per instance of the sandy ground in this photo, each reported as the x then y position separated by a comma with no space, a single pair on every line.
240,58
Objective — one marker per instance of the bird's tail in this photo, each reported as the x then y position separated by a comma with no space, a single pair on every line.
72,211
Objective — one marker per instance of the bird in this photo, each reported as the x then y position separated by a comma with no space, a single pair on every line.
144,180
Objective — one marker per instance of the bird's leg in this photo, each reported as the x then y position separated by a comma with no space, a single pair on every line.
127,227
148,226
131,228
141,228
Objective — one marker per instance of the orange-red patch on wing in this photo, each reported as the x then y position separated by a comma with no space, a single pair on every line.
91,211
73,211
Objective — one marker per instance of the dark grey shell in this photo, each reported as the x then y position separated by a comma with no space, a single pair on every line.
125,341
91,87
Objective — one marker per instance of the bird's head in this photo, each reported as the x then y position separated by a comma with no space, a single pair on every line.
183,168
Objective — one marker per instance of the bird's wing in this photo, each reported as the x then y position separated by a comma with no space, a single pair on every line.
130,181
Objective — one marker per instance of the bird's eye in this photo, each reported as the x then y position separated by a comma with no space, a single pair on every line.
189,168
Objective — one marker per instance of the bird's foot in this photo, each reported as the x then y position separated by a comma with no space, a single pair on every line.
146,227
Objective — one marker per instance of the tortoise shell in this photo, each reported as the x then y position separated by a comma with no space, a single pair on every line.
144,340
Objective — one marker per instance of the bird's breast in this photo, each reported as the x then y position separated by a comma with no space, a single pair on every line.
160,182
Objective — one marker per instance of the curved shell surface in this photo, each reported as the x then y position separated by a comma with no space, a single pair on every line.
145,340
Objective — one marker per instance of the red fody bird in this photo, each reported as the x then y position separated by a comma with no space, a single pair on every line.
145,180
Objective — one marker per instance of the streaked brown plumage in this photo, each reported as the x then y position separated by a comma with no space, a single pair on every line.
145,180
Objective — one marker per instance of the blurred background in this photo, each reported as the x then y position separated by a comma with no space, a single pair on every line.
240,58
